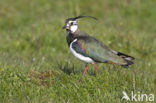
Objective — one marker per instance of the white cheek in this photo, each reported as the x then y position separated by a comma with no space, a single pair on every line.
73,28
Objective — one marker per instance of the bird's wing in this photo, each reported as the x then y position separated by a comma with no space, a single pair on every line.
90,47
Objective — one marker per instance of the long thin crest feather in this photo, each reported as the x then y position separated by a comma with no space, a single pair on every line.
78,17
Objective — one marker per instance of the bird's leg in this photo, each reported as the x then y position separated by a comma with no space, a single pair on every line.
84,72
95,67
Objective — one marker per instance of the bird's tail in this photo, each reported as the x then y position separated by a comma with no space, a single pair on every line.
127,58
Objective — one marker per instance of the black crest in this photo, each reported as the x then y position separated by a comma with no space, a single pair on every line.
78,17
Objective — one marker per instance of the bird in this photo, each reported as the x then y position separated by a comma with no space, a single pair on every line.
90,50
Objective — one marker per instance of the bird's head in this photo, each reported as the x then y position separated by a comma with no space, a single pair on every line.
71,23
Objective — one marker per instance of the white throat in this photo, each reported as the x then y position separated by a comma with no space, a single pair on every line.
73,28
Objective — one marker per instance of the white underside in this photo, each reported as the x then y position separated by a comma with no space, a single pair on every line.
79,56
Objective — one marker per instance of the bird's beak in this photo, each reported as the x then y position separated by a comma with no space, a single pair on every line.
64,27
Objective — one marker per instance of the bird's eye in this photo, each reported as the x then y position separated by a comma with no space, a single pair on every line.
72,23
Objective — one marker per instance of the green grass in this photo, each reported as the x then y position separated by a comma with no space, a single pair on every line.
36,65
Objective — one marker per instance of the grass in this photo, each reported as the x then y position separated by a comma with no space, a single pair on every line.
36,65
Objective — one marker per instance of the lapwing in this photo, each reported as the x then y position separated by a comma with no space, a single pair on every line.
89,49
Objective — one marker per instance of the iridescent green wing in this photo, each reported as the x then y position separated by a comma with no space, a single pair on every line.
90,47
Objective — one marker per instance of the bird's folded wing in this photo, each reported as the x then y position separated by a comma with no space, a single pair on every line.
90,47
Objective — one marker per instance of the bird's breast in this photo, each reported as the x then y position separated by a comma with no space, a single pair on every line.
69,38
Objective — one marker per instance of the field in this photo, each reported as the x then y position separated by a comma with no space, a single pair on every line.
36,65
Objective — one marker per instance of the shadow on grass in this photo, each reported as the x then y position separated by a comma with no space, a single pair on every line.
68,69
71,69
